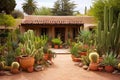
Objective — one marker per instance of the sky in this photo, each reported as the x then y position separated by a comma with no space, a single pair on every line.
80,4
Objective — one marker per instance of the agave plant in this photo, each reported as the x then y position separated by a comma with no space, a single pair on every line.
110,60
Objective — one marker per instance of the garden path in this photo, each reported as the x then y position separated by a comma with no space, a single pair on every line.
63,69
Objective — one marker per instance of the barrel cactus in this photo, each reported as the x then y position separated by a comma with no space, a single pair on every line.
93,56
119,66
15,65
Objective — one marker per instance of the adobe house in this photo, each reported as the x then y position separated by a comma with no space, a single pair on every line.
65,26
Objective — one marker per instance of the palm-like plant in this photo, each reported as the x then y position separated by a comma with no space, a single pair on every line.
29,7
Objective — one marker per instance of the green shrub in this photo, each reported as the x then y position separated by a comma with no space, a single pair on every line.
56,41
6,20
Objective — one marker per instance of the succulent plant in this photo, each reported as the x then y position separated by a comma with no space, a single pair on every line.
93,56
119,66
110,60
15,65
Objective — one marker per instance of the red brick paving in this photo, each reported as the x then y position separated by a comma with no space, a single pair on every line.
63,69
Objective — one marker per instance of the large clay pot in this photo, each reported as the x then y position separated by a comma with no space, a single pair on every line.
93,66
26,62
109,68
15,71
83,53
47,56
75,59
56,46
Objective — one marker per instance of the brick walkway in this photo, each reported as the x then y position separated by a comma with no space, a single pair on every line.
63,69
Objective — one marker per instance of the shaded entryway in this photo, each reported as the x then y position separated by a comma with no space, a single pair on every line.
60,32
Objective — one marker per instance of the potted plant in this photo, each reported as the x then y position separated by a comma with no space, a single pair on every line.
56,42
83,50
74,51
15,67
48,54
28,50
109,62
51,55
94,58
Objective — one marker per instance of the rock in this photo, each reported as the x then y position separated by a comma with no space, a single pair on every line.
115,72
85,67
80,64
50,62
39,68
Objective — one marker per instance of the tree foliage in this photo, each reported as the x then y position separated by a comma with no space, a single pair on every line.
29,6
63,7
17,14
6,20
98,8
7,6
43,11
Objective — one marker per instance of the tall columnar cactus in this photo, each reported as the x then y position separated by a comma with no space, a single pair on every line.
108,37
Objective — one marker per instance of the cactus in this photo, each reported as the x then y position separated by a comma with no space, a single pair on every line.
93,56
15,65
108,37
119,66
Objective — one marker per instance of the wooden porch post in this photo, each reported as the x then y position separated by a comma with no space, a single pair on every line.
22,29
53,32
66,34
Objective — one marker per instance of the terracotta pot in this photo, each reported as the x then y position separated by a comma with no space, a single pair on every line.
75,59
61,46
109,68
30,69
100,68
47,57
83,53
56,46
15,71
26,62
93,66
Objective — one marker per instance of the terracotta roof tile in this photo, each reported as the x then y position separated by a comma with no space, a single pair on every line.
57,19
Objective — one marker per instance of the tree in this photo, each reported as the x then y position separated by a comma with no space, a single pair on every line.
7,6
63,7
43,11
85,10
6,20
98,8
17,14
29,6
